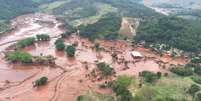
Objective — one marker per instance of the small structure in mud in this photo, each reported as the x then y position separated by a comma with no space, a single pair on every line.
136,54
44,60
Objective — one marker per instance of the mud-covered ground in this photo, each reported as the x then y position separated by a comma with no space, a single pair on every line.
69,78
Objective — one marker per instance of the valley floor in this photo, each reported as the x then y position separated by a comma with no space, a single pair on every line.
69,78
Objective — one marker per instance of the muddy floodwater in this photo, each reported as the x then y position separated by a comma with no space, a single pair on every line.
68,79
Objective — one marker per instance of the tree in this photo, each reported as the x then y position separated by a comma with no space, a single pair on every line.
124,80
59,40
60,44
97,46
107,28
149,76
120,87
172,31
19,56
40,82
43,37
182,71
193,89
25,42
197,70
105,68
196,79
111,36
80,98
66,34
198,97
196,60
159,74
70,50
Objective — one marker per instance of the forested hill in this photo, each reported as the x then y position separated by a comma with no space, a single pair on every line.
154,28
74,9
12,8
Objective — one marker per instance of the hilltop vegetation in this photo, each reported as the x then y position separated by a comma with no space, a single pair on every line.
175,32
12,8
106,27
131,8
100,22
87,11
4,27
102,19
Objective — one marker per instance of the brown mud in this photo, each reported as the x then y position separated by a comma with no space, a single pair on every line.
68,79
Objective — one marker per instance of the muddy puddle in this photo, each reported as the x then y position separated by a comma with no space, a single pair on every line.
68,79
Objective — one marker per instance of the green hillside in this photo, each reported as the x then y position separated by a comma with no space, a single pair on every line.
154,27
12,8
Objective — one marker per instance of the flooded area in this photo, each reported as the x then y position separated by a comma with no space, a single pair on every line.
31,25
68,79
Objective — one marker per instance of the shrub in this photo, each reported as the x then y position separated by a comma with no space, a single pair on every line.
18,56
59,40
66,34
197,70
124,80
196,59
107,27
159,74
111,36
43,37
120,88
40,82
182,71
105,68
70,50
97,46
170,99
198,97
80,98
172,31
193,89
60,44
25,42
196,79
149,76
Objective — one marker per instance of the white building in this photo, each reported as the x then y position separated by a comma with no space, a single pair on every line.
136,54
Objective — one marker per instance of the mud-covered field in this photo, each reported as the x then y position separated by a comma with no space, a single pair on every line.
68,79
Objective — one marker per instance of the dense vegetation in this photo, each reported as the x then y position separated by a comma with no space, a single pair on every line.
4,27
13,8
106,27
120,87
87,10
176,32
40,82
70,50
196,79
132,8
25,42
66,34
154,29
193,89
196,59
105,68
42,37
59,44
19,56
149,76
182,71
